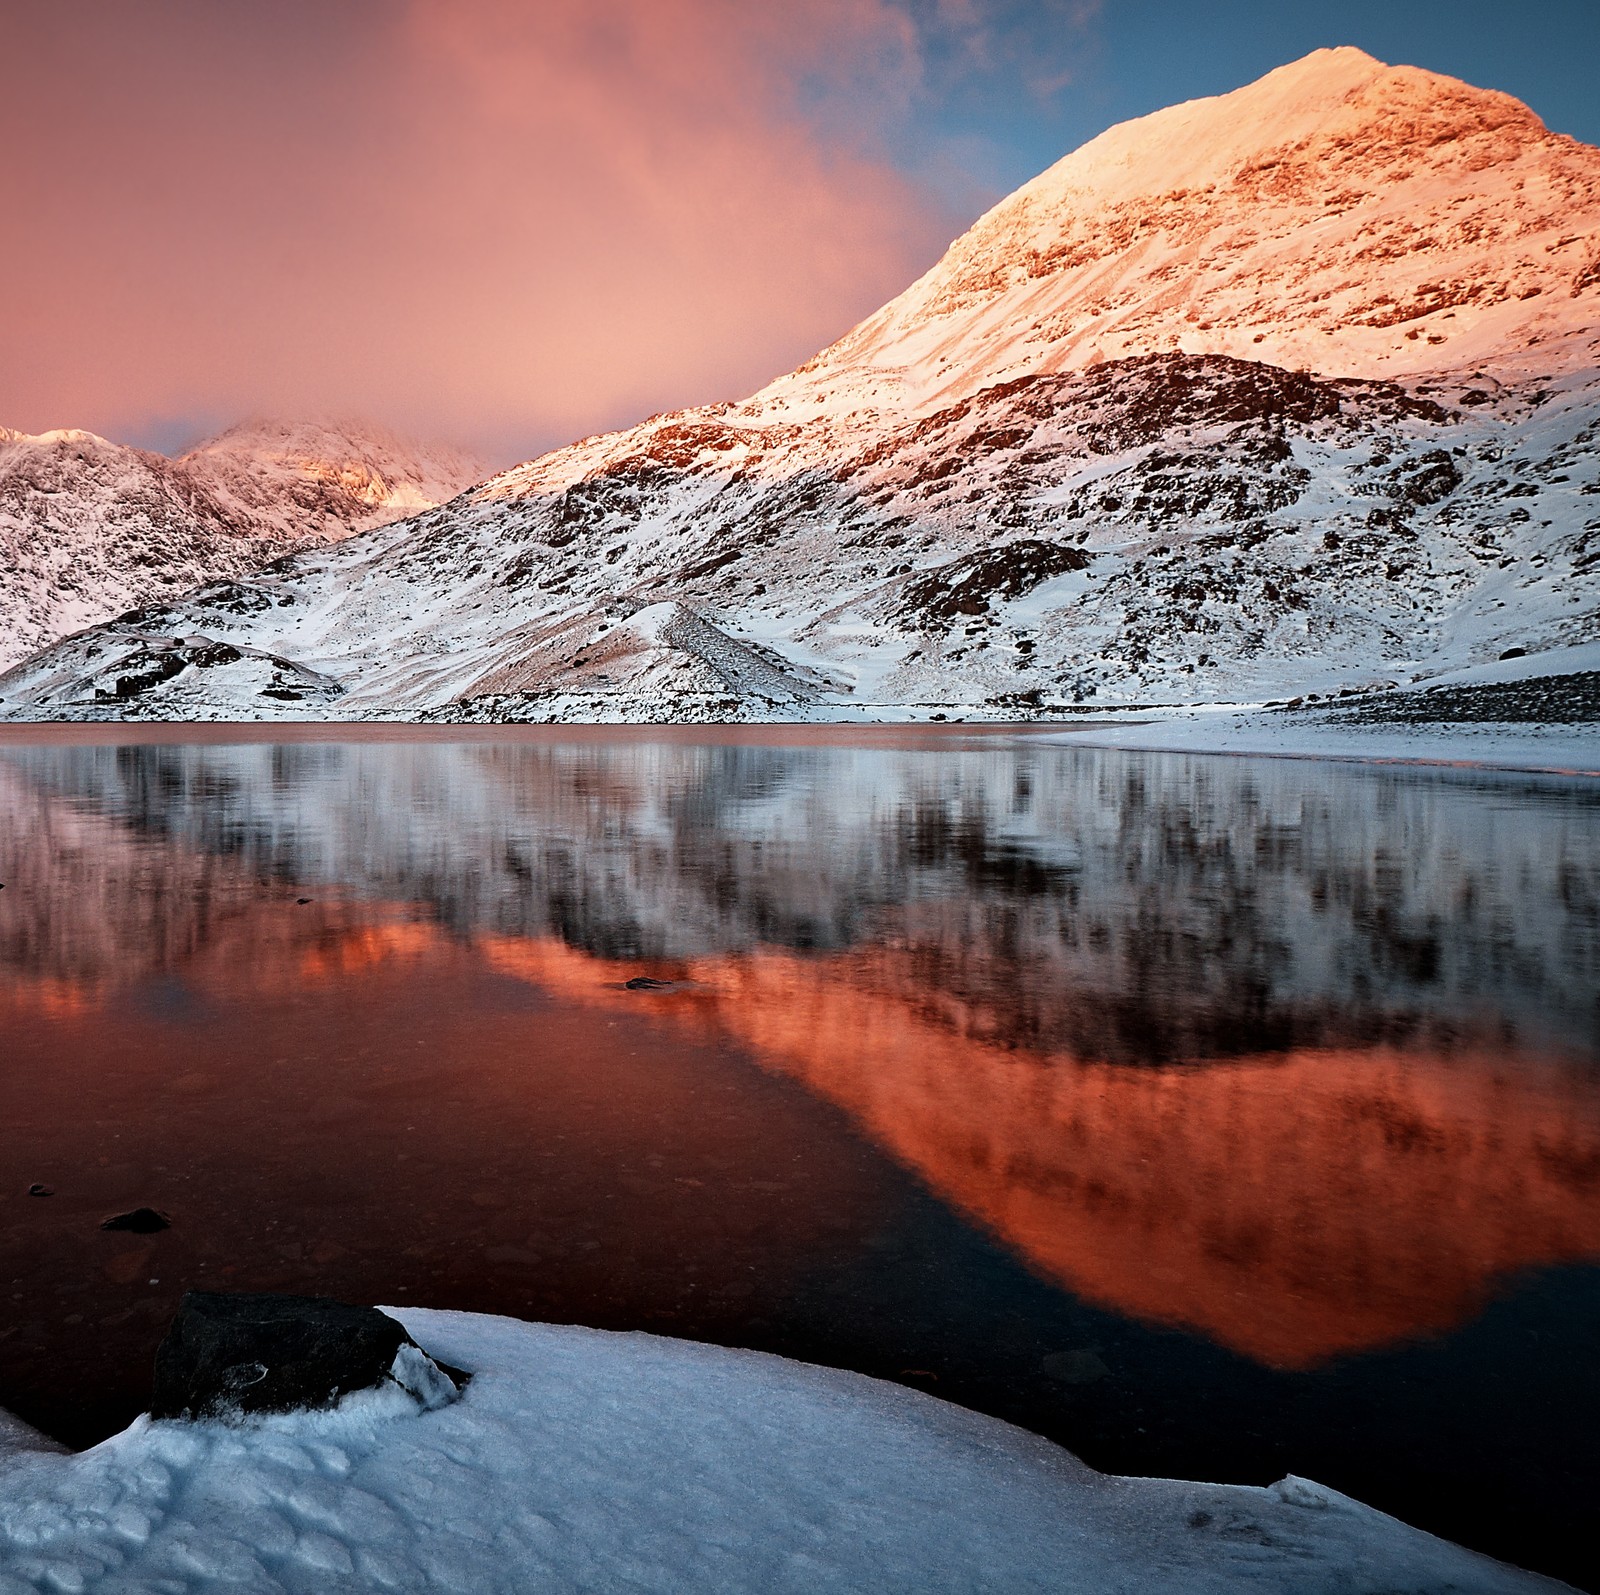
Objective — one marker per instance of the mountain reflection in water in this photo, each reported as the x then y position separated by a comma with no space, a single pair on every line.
1295,1207
1296,1059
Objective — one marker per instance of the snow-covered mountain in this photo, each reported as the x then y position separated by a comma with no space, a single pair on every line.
1291,391
1338,216
89,528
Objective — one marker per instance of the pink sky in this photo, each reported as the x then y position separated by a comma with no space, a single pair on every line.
504,223
511,222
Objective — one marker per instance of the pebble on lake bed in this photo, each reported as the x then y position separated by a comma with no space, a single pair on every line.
141,1221
1075,1367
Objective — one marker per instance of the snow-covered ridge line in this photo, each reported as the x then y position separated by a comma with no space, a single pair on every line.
1339,215
1166,529
89,528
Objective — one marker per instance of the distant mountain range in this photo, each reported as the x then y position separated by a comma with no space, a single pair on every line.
89,528
1292,391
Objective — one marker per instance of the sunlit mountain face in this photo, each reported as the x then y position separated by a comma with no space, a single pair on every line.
1291,390
1102,1091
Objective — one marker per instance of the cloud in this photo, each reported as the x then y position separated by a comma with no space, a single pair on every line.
507,221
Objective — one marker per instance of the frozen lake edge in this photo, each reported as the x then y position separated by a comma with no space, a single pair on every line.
585,1460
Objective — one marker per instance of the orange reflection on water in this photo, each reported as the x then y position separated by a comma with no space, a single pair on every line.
51,996
285,949
347,950
1295,1207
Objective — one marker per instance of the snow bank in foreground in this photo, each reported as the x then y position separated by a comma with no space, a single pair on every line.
579,1460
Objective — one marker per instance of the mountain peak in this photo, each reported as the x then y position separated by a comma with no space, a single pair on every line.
367,464
1329,100
1338,215
1198,141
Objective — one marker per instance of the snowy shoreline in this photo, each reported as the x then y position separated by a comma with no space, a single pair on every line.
1534,749
584,1460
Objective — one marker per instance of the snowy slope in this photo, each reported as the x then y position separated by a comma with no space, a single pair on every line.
338,478
578,1460
1339,216
1320,418
89,528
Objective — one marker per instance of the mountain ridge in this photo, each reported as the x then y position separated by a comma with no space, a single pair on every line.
1032,529
89,527
1183,183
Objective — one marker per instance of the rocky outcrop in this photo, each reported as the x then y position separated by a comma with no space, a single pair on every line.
230,1355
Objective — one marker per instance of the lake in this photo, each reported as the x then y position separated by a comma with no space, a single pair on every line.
1214,1117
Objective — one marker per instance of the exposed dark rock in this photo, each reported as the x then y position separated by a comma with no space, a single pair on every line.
41,1190
1426,480
226,1355
647,983
1550,700
141,1221
160,667
965,586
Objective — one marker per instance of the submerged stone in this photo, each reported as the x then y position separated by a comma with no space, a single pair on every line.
141,1221
1079,1367
227,1354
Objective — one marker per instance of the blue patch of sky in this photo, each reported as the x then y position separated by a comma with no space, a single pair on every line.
171,435
1010,87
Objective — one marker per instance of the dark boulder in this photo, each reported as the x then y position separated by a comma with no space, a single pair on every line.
141,1221
226,1355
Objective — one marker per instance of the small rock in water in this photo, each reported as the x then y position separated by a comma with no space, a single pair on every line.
141,1221
1075,1367
41,1190
231,1354
647,983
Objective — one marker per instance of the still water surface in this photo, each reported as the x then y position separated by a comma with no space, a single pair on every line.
1214,1117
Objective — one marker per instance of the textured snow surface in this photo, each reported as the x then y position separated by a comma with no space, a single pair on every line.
584,1461
1173,529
